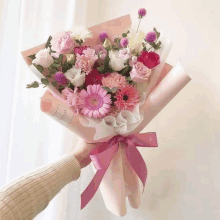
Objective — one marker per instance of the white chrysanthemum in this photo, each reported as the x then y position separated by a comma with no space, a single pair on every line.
81,33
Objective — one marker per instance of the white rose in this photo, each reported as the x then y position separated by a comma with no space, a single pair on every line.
75,76
116,62
43,58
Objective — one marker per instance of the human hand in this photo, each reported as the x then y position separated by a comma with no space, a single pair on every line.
81,152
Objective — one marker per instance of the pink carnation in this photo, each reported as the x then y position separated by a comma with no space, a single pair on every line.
86,61
114,80
62,43
72,99
140,73
80,50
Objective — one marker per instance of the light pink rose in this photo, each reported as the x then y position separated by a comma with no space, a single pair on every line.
43,58
140,73
62,43
86,61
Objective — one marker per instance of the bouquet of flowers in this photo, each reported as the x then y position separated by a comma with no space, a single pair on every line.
106,84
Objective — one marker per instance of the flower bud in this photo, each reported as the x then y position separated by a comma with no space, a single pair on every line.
70,58
107,43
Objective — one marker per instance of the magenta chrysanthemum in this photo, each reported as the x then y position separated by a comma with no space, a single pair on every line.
103,35
142,12
95,101
151,36
114,80
124,42
60,77
127,98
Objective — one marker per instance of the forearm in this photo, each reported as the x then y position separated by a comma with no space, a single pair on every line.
27,196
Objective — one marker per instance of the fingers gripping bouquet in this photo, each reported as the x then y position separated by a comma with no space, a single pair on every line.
106,84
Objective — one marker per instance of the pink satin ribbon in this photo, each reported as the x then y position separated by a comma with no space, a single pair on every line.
102,156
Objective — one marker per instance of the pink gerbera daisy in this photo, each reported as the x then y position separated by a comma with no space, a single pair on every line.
95,101
127,98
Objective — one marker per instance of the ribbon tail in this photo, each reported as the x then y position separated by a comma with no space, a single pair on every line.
137,163
91,189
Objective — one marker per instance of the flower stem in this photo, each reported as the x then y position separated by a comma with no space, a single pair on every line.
138,25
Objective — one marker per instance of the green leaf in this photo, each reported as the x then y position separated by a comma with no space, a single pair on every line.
54,83
114,89
124,35
48,76
115,47
66,66
34,84
59,60
48,42
32,56
124,70
61,88
157,33
106,88
71,86
40,68
52,69
128,78
56,65
44,81
101,69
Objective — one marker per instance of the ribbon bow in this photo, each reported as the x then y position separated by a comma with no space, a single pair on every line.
102,156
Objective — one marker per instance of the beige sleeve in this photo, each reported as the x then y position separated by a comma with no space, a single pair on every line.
30,194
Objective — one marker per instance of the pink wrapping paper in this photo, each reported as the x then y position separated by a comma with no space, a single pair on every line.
120,181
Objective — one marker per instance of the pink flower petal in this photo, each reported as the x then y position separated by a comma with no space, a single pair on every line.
102,93
90,113
94,88
105,110
89,89
106,99
106,105
101,111
86,111
84,93
95,113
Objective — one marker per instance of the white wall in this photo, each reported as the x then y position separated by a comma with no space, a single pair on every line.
183,180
